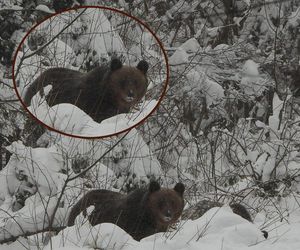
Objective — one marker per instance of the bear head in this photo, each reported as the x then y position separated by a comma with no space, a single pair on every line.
165,204
128,84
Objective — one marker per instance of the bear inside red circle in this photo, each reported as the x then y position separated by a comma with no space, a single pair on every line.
111,92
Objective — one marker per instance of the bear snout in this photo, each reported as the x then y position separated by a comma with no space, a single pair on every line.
167,216
167,219
130,97
130,93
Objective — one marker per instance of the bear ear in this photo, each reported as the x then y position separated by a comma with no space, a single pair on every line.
115,64
154,186
179,188
143,66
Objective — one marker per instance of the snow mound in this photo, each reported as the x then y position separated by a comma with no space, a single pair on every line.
44,8
41,166
294,18
31,185
217,228
102,236
179,57
211,89
252,82
250,68
132,155
70,119
191,45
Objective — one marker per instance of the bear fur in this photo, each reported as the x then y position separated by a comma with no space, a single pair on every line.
141,213
103,92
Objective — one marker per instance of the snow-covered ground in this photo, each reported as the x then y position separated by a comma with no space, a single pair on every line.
217,229
38,183
71,120
39,172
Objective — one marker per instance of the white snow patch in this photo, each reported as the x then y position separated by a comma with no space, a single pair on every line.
251,82
191,45
277,107
212,90
250,68
294,18
102,236
179,57
40,165
70,119
44,8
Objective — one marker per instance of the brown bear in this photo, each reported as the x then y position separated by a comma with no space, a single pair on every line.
103,92
196,211
141,213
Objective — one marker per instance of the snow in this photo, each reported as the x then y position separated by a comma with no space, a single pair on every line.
212,90
252,83
247,2
294,18
274,119
70,119
44,8
12,7
40,165
218,228
191,45
250,68
213,32
180,56
38,171
6,92
133,154
103,236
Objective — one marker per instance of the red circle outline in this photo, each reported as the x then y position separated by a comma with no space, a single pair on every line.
96,7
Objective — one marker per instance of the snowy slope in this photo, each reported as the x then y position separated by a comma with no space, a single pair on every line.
217,229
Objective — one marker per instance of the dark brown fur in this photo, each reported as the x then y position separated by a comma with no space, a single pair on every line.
141,213
101,93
